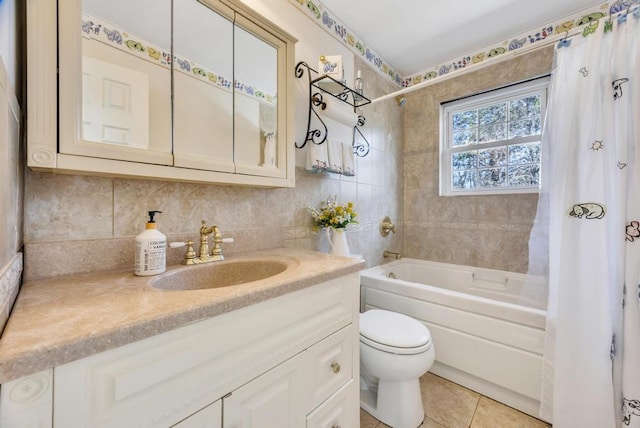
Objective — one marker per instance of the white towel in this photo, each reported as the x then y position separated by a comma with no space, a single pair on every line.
348,160
317,157
335,156
270,150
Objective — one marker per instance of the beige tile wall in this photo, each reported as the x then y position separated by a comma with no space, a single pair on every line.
484,231
81,224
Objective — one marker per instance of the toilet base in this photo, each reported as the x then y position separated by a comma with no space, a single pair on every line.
396,403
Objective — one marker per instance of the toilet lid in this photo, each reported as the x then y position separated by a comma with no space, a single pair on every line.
392,329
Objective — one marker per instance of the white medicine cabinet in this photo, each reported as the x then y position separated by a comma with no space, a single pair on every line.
185,90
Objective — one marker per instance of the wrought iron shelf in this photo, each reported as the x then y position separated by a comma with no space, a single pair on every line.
336,89
317,133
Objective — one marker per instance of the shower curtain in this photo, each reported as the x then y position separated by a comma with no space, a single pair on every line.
590,202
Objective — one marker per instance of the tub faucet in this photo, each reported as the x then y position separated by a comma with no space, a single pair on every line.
388,253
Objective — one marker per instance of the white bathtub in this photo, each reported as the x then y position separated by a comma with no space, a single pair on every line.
487,325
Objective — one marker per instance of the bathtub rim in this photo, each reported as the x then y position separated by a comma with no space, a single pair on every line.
375,278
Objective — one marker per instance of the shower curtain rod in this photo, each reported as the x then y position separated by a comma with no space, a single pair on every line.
508,55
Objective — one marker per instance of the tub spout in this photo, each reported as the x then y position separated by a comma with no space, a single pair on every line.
391,254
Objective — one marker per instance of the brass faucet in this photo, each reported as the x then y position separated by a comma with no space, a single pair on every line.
387,253
190,257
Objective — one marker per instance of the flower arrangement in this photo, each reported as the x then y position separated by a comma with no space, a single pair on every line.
332,214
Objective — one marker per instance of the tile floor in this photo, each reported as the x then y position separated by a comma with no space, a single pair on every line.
448,405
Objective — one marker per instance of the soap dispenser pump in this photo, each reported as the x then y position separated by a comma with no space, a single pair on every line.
151,249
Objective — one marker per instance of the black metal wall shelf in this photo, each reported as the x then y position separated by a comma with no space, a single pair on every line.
327,85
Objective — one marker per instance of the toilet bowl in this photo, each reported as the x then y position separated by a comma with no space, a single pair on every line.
395,350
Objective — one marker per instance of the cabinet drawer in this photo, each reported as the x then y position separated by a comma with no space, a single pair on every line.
339,411
330,365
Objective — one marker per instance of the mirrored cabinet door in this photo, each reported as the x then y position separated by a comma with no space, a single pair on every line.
185,90
115,80
203,85
256,100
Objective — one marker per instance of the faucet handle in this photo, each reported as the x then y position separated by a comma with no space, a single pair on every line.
386,226
190,255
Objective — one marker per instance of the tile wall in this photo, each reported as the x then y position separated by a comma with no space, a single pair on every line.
80,224
483,231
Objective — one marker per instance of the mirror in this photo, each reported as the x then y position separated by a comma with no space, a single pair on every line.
126,76
188,90
255,108
203,86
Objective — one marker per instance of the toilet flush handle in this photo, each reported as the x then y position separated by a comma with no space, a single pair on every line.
335,367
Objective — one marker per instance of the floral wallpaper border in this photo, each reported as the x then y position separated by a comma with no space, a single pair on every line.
315,10
105,32
561,26
332,24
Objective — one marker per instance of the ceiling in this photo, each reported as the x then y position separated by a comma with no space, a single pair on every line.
414,35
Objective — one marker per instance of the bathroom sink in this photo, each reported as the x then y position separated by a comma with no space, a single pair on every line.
220,274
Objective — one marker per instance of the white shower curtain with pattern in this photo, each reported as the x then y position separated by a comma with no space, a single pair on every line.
591,195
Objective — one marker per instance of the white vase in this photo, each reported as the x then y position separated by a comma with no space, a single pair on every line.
338,242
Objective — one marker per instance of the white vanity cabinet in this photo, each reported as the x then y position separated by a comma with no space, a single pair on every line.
291,361
179,90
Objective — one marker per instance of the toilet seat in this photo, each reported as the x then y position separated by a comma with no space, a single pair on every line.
393,332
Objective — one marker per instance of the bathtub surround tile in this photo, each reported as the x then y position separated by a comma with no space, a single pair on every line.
522,209
497,218
491,414
367,207
416,206
447,403
414,176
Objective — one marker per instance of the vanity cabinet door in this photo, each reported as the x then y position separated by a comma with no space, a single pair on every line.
209,417
274,399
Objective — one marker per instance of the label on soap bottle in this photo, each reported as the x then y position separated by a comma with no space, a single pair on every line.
151,250
152,255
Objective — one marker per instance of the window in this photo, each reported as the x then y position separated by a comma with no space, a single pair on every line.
491,141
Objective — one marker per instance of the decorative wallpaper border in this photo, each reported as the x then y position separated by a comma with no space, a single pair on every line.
563,25
95,28
318,13
332,25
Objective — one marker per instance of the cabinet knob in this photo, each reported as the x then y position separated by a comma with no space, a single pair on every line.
336,368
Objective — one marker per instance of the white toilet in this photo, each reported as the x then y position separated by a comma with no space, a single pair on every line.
395,350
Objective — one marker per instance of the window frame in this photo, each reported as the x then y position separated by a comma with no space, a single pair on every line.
504,94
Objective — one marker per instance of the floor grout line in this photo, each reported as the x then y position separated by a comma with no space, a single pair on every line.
473,415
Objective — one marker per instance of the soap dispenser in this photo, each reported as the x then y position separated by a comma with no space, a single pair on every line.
151,249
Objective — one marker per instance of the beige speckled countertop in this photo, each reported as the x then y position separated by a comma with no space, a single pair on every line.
62,319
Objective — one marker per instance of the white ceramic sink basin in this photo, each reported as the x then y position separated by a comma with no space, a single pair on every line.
220,274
